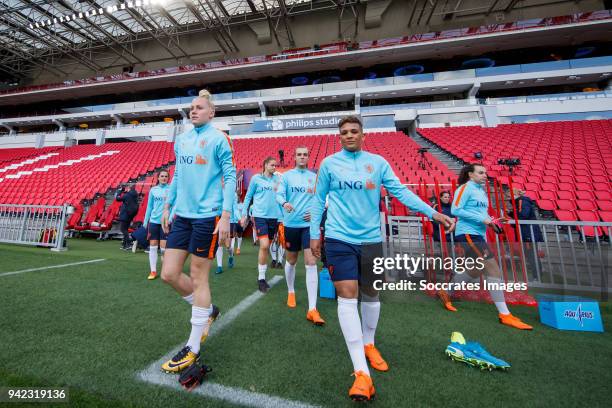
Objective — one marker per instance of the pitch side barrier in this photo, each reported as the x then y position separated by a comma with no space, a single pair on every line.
39,225
571,256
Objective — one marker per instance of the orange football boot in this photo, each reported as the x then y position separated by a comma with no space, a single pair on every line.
291,299
446,302
513,321
375,359
363,387
315,317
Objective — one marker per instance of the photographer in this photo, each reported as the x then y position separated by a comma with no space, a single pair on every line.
128,211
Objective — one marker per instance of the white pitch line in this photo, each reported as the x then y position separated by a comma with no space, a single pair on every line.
153,374
51,267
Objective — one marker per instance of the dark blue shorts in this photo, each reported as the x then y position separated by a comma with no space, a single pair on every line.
297,239
266,227
352,262
236,229
194,235
475,246
155,232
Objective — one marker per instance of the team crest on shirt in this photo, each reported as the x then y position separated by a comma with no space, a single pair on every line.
202,143
309,190
370,185
200,160
369,168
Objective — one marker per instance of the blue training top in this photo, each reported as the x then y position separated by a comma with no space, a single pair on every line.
351,181
155,204
470,207
296,188
236,210
204,182
262,190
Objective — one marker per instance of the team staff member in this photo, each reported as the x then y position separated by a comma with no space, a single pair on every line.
444,206
266,211
470,206
202,207
152,220
295,195
127,212
351,181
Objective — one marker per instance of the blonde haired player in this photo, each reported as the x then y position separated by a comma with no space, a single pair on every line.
202,207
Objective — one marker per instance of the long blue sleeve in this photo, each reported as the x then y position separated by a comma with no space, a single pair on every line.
249,195
173,185
317,204
403,194
351,182
149,209
225,156
281,194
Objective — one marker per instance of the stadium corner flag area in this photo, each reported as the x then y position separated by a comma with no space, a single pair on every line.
300,204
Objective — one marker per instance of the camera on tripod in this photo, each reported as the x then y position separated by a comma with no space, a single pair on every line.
509,162
424,162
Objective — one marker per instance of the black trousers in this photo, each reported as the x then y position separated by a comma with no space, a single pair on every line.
124,225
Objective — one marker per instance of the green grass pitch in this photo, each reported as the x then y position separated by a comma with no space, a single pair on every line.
93,327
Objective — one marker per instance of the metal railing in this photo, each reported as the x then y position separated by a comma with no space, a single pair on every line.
39,225
570,256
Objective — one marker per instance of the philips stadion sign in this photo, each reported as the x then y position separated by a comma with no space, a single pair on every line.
317,122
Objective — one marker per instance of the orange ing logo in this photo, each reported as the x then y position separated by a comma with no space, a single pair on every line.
370,185
200,160
369,168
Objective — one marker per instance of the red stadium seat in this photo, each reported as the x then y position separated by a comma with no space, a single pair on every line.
547,205
603,195
566,195
584,195
589,216
586,205
565,215
584,186
604,205
547,195
566,205
606,216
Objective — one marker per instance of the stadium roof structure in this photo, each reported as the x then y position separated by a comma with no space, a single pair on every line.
33,32
50,35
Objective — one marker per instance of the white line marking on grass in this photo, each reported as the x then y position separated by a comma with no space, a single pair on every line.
153,374
51,267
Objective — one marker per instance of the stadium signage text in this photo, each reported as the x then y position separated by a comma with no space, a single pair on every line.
320,122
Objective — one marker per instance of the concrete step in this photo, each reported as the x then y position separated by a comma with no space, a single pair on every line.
449,161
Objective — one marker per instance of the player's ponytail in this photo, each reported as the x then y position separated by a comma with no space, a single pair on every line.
464,175
265,163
